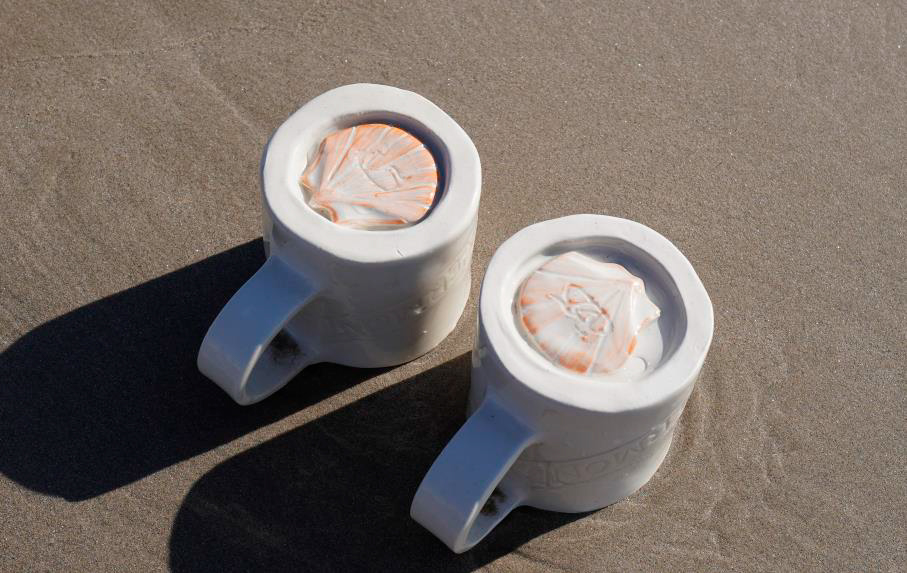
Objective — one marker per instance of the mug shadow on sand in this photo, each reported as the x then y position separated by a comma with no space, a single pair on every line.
334,494
109,393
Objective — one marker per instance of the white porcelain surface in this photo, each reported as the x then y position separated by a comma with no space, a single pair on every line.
548,437
332,293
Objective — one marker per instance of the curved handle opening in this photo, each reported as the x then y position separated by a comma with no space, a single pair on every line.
248,351
467,490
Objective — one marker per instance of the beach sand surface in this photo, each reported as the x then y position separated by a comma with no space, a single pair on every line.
765,139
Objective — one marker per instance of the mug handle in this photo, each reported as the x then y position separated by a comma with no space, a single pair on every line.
237,353
453,499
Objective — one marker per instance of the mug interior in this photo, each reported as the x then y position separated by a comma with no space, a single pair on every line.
308,147
455,209
659,285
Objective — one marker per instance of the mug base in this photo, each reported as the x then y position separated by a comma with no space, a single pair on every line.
598,494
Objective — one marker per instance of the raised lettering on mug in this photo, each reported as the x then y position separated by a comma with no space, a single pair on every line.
540,474
584,314
371,177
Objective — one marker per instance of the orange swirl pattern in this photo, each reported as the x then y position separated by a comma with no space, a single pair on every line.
584,314
371,176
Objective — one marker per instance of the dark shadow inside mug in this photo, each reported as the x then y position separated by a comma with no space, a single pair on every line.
423,133
109,393
334,494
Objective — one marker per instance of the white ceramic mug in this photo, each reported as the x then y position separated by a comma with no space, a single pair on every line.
332,293
544,436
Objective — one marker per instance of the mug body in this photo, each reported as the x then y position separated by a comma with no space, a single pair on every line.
582,459
542,435
376,314
327,292
599,439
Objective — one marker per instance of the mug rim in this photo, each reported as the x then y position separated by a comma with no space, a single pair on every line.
286,155
531,369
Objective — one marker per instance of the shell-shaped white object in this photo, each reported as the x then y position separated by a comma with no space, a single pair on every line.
584,314
371,176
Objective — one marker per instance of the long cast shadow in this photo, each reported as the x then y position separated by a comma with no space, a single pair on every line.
109,393
334,494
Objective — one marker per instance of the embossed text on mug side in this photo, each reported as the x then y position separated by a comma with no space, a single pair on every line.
357,326
557,474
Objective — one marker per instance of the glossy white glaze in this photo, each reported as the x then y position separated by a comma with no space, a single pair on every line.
550,437
335,293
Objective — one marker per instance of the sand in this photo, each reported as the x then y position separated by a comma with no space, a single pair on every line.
766,140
